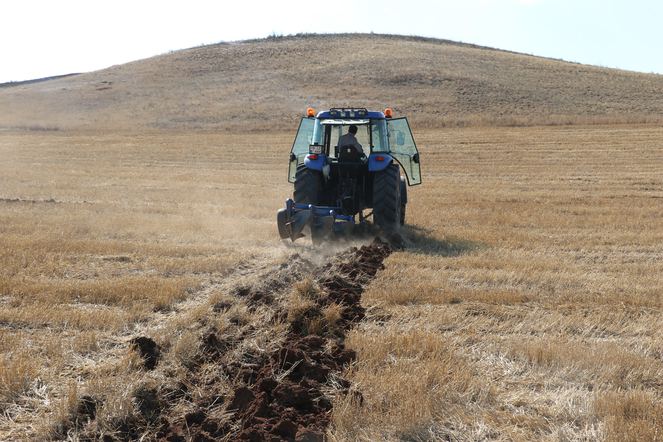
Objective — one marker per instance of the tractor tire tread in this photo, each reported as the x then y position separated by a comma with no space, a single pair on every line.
386,198
307,185
403,190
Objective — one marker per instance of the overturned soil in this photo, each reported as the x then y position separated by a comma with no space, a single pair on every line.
293,406
148,350
281,394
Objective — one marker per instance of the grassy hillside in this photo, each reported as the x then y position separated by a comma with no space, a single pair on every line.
266,83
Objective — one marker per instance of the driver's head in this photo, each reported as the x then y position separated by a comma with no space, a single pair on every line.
352,129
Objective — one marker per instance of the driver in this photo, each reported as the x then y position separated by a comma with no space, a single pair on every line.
350,139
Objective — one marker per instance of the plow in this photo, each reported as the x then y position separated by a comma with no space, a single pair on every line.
345,165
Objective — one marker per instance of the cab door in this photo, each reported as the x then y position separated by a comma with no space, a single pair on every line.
300,146
403,148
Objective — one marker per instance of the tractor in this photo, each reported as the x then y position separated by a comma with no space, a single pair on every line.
339,187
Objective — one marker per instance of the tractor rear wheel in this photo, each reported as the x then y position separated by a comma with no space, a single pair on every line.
386,198
307,185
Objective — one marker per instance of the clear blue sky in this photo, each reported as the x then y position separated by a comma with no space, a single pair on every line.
42,38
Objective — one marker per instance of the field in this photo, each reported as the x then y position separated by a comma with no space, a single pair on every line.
526,305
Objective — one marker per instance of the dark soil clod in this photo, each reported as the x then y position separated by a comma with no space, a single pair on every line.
279,395
87,409
222,306
195,418
148,403
148,350
243,397
213,346
294,406
305,435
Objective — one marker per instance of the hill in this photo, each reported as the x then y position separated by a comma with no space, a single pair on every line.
259,84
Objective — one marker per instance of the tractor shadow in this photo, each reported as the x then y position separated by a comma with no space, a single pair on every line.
422,241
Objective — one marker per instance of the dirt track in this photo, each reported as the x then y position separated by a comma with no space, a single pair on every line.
280,394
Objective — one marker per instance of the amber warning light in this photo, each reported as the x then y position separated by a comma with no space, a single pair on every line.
310,112
388,112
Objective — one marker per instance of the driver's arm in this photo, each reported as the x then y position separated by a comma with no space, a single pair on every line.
360,149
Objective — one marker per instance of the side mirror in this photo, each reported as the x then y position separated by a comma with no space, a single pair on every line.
400,138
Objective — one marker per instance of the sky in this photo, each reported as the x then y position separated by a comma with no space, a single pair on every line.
40,38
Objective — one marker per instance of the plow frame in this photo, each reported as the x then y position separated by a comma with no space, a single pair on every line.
322,220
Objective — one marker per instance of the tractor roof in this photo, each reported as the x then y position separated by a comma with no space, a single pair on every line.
354,113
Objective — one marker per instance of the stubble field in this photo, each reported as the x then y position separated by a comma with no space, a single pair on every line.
527,305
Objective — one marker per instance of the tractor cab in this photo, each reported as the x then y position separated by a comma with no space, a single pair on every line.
335,183
382,137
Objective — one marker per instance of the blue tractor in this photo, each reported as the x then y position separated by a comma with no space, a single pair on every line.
339,186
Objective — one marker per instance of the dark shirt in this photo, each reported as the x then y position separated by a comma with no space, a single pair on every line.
350,140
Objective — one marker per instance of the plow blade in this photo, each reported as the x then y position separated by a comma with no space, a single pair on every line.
291,223
297,223
322,220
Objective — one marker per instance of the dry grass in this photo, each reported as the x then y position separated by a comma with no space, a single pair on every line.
416,382
331,315
528,306
17,373
631,416
268,83
535,264
103,236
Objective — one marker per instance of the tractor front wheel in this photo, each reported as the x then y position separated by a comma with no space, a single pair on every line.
387,198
